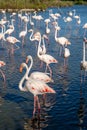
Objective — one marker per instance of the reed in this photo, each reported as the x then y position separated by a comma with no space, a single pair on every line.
35,4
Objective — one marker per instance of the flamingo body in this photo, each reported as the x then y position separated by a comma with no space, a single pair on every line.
12,39
36,74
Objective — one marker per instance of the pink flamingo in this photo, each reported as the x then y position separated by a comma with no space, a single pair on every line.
12,40
36,87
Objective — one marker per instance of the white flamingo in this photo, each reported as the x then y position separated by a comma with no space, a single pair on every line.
22,34
66,55
11,29
48,59
2,32
83,64
85,27
62,41
36,74
47,28
36,87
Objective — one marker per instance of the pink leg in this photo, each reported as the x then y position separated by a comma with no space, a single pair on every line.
50,71
44,98
38,103
35,99
41,64
46,69
23,42
84,75
3,75
12,50
64,61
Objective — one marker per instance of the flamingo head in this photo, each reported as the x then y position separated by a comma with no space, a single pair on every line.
30,30
29,57
21,67
45,36
2,63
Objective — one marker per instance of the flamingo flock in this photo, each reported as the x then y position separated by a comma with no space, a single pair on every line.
37,82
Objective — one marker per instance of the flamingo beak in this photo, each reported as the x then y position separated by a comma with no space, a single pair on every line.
46,37
2,63
27,60
20,69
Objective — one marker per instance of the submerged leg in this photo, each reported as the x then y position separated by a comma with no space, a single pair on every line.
3,75
35,99
50,70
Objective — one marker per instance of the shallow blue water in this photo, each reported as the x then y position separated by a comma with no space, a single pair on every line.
65,110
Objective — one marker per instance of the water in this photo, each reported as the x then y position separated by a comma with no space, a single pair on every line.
65,110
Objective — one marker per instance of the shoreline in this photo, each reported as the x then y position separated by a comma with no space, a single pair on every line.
16,10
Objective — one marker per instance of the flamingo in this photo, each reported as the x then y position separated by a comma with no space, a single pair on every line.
43,47
85,27
70,13
83,64
37,17
36,87
62,41
48,59
31,22
67,20
12,40
34,37
78,21
2,32
47,28
23,34
74,15
37,75
2,63
66,54
11,29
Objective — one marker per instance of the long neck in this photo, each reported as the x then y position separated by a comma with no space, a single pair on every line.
12,22
30,17
32,39
4,29
29,68
83,51
43,45
47,27
26,28
39,45
74,13
56,34
22,80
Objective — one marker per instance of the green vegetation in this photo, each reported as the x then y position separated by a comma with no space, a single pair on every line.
37,4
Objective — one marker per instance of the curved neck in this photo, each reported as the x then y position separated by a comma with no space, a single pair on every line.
30,17
74,13
39,45
22,80
29,68
26,28
43,45
12,22
32,39
83,51
56,34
